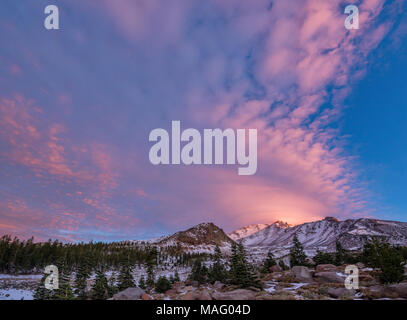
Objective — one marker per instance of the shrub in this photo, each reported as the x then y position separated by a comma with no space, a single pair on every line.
162,285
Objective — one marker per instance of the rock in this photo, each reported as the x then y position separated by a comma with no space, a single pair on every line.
301,273
373,292
276,268
339,293
365,277
328,277
325,267
171,292
399,289
129,294
204,295
190,295
218,285
192,283
145,296
239,294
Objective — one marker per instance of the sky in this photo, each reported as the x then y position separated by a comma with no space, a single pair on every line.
77,106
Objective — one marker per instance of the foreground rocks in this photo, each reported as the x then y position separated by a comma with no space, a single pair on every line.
324,282
301,273
129,294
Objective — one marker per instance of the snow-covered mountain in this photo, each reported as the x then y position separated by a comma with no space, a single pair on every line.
322,234
278,236
200,238
253,228
247,231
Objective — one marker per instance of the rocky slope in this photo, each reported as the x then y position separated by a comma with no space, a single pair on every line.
253,228
322,235
200,238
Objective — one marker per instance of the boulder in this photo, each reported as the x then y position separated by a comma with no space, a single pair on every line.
325,267
239,294
190,295
399,289
129,294
145,296
218,285
276,268
204,295
340,293
301,273
328,277
366,277
192,283
373,292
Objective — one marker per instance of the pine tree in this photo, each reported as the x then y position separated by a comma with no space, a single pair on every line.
64,291
151,262
340,254
323,258
241,272
125,279
176,276
142,283
83,273
269,262
217,271
283,265
42,293
198,272
297,255
162,284
112,287
380,254
100,288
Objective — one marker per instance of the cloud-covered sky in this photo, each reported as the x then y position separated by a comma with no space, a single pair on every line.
77,106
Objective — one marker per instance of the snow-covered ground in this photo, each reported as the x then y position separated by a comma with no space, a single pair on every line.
16,294
20,277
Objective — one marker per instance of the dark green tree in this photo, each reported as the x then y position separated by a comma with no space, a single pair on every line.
125,279
142,283
151,263
199,272
283,265
217,271
162,285
64,291
100,288
268,263
380,254
42,293
323,258
176,276
241,272
339,254
297,254
83,273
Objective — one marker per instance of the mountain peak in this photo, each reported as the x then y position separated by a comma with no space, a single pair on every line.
247,231
331,219
206,233
281,224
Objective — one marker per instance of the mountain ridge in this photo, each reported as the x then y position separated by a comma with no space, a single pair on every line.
278,236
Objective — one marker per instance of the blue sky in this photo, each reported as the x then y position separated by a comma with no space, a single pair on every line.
376,121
